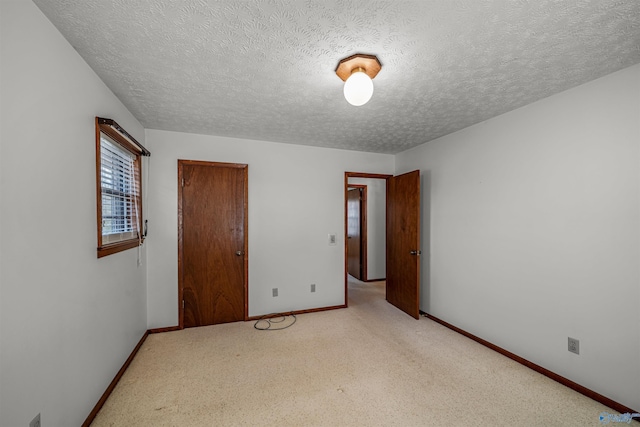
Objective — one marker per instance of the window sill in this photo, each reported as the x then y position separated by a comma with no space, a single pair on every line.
118,247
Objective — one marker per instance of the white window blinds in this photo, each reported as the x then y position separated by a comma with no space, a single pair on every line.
120,192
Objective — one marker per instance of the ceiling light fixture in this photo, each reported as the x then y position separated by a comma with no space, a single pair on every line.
357,71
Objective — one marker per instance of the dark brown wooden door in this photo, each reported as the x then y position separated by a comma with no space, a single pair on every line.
354,232
403,242
212,242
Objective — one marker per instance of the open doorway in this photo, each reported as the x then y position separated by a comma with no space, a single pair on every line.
401,233
365,228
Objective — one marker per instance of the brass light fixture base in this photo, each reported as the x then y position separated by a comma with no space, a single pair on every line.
368,63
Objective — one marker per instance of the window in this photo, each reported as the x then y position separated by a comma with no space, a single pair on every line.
119,188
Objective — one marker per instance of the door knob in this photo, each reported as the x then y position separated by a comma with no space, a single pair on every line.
239,253
415,252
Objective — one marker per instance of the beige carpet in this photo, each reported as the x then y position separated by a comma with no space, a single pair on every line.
369,365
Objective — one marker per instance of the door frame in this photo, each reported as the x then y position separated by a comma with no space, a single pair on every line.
348,175
363,229
181,163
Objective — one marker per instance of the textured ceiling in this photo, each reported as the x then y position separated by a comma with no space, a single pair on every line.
264,69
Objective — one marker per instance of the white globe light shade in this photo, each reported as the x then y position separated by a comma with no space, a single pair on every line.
358,89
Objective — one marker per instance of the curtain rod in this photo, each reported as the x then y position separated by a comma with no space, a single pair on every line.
117,127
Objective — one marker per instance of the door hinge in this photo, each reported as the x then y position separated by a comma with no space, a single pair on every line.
183,182
183,304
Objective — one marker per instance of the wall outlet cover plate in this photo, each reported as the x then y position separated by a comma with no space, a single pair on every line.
574,345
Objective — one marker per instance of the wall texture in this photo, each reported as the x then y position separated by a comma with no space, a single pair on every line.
534,226
296,198
68,320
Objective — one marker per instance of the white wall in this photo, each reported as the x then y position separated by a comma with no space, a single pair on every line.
534,229
376,226
68,320
296,198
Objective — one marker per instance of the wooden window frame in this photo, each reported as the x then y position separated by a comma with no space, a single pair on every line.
111,129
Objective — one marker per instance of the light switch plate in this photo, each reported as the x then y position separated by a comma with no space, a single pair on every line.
332,239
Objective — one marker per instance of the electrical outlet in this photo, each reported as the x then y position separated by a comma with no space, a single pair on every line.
574,345
313,287
35,422
275,292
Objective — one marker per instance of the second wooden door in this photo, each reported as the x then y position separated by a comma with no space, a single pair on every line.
212,242
354,232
